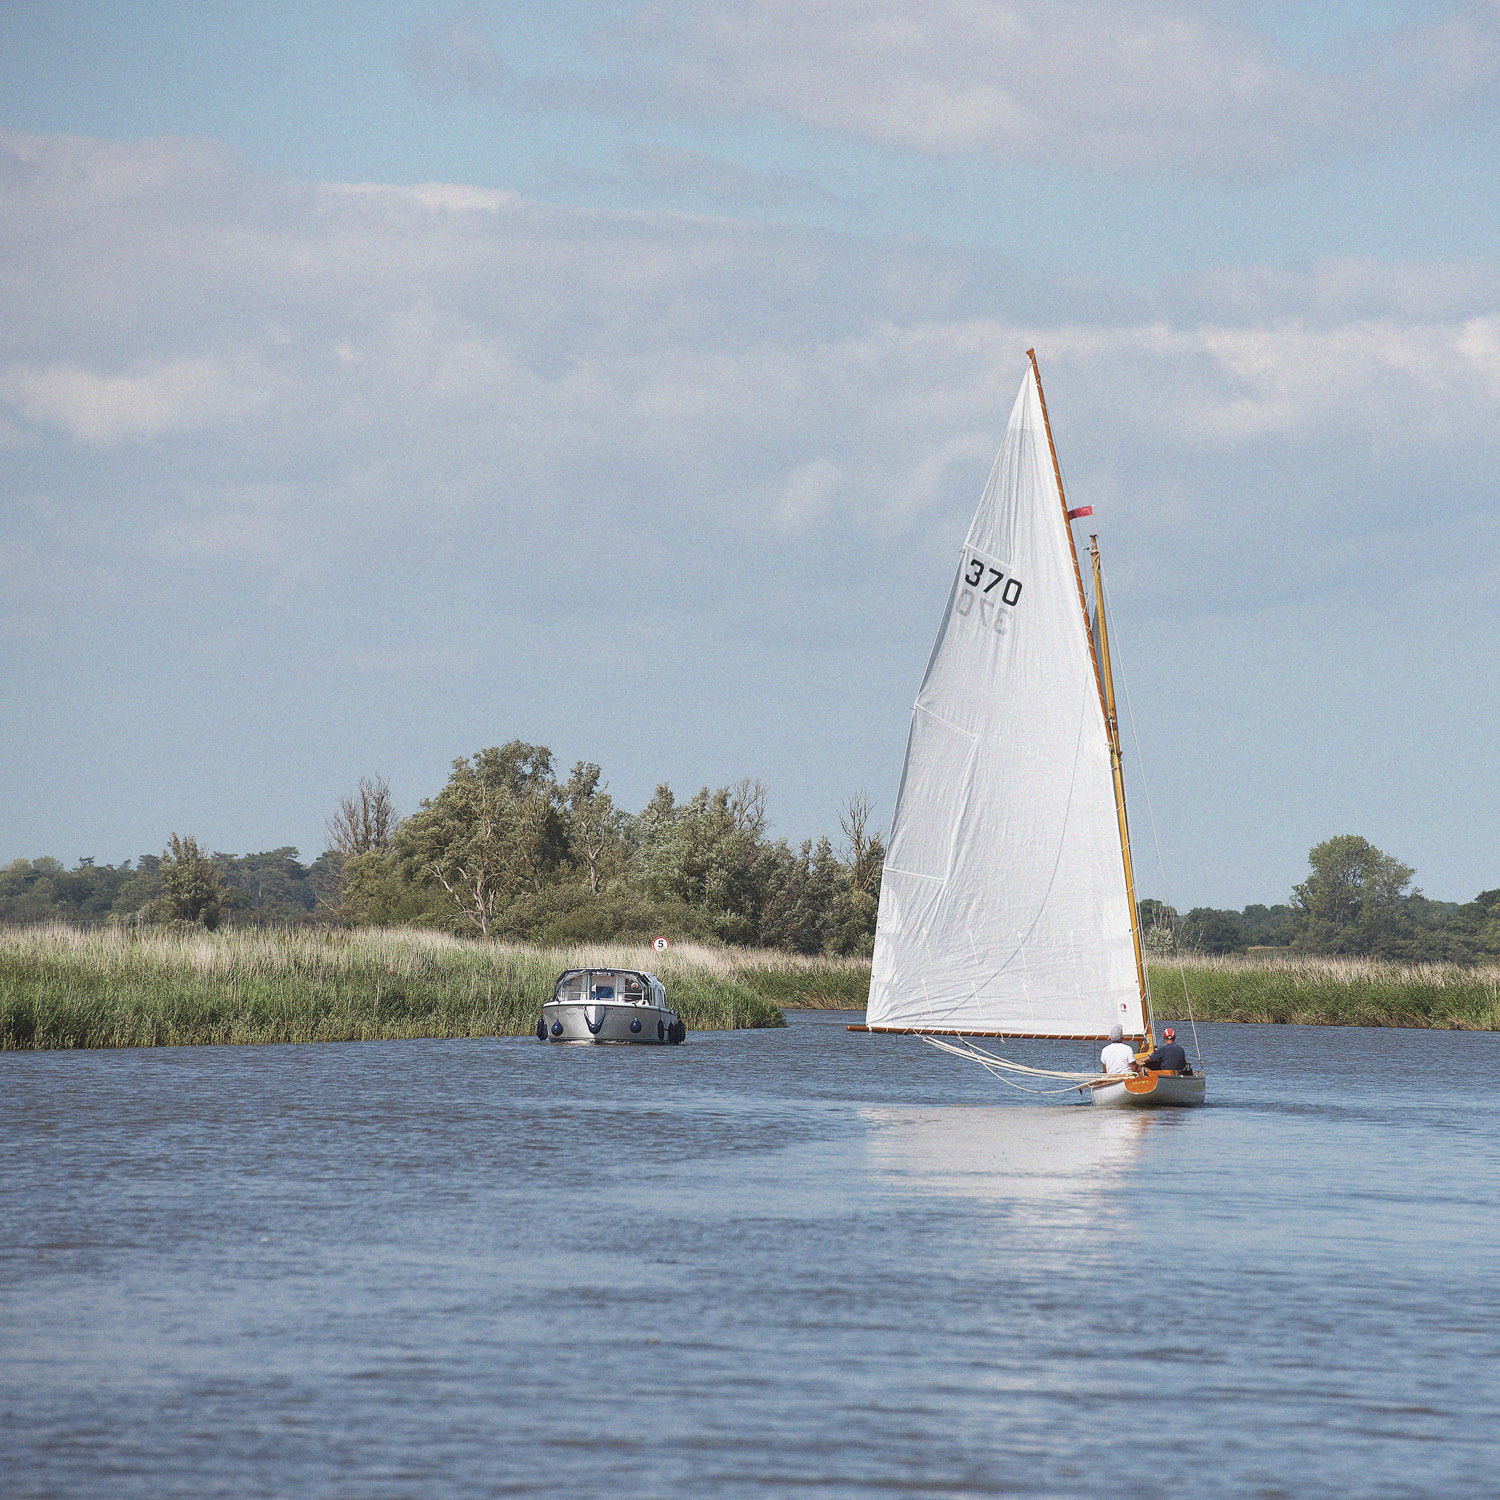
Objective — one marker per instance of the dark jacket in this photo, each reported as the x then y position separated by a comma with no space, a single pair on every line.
1170,1057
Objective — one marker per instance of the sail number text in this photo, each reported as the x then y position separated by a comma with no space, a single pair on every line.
991,589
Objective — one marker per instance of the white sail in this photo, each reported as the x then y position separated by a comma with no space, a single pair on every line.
1003,907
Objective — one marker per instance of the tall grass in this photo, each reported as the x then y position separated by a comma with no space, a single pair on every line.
117,987
1313,991
121,987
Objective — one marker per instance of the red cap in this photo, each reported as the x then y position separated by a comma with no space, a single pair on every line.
1169,1033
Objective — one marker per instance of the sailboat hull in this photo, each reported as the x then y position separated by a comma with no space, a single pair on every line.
1151,1091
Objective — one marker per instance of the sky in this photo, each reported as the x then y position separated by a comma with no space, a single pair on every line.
380,382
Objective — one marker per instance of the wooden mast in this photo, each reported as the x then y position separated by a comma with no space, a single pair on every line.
1117,764
1106,698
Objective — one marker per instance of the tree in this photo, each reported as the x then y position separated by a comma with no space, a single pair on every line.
1158,925
747,802
494,830
593,823
702,855
366,819
1352,899
1205,930
864,847
192,887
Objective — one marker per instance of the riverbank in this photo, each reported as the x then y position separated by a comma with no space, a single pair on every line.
1301,991
118,987
1314,991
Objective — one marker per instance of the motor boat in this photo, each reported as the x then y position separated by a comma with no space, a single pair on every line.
610,1005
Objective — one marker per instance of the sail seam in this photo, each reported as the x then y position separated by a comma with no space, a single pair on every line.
947,723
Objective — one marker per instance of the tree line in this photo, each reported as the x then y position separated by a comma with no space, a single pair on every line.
510,848
1356,901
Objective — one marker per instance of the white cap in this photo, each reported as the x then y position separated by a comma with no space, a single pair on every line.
1116,1034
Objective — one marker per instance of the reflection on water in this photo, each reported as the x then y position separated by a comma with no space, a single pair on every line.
797,1262
1046,1158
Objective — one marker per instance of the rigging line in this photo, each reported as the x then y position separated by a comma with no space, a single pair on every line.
967,1048
1155,839
1069,1088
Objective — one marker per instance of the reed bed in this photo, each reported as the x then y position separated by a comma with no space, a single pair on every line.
121,987
1313,991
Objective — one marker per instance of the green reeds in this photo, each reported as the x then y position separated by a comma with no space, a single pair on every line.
1313,991
123,987
118,987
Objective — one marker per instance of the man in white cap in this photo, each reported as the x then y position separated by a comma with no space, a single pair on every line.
1119,1055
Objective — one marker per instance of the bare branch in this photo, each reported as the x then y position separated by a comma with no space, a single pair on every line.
749,806
365,820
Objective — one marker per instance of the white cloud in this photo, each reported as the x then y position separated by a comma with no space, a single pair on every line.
155,397
1138,84
808,493
452,464
414,354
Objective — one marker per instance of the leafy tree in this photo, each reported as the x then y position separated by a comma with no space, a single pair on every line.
593,825
1205,930
494,830
192,885
1269,926
1352,900
1158,924
702,854
373,892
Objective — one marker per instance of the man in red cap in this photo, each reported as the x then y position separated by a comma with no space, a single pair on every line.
1169,1057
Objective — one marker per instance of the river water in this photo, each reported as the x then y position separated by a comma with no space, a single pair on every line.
765,1263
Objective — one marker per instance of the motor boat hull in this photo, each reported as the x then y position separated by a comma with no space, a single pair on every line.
1151,1091
609,1021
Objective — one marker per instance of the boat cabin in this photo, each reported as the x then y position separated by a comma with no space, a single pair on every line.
619,986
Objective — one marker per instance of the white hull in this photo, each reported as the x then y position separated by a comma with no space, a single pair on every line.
1154,1091
599,1021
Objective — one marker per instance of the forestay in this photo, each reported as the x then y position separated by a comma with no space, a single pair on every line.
1003,906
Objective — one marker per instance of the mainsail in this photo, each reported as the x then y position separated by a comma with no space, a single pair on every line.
1004,905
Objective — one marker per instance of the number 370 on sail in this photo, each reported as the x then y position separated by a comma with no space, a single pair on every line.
990,587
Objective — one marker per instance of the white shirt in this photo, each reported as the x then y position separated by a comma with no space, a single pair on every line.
1117,1057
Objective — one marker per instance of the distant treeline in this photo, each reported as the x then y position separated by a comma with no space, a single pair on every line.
1356,901
508,848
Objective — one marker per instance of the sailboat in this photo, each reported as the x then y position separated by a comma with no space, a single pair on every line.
1007,905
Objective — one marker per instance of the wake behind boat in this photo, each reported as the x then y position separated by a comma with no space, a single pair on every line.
1007,904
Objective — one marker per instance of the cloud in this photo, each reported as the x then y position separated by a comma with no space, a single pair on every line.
676,172
807,494
393,357
431,465
1142,84
154,398
454,57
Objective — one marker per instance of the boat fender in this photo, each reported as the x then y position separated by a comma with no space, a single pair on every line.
635,1025
595,1027
541,1030
661,1030
557,1028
